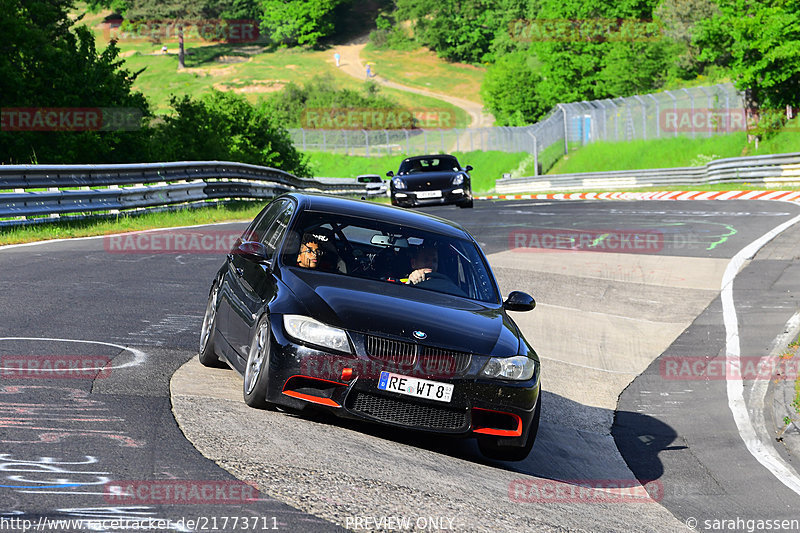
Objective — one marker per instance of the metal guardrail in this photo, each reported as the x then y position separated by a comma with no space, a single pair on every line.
80,189
776,169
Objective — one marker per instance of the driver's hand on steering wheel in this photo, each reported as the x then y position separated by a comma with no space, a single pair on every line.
418,276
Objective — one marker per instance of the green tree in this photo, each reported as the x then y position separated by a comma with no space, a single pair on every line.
224,126
510,90
176,12
458,30
47,61
678,19
759,41
292,22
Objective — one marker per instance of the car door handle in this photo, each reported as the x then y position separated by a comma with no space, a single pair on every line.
239,271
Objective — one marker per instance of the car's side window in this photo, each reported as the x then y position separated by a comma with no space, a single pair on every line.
272,237
258,228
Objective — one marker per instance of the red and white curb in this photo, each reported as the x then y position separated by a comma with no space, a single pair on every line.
786,196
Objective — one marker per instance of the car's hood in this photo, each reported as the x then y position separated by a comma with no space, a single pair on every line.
427,180
385,308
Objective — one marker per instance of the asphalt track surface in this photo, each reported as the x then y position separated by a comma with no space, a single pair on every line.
68,441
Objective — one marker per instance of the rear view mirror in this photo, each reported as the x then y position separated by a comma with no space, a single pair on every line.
468,168
253,250
390,174
389,240
519,301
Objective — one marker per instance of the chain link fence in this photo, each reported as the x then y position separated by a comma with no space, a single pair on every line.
696,112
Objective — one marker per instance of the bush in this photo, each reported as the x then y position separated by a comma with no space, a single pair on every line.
224,126
319,104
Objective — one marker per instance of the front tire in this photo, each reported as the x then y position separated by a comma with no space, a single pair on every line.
208,356
467,204
256,374
490,448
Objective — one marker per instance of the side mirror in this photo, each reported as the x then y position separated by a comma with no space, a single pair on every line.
468,168
390,174
252,250
519,301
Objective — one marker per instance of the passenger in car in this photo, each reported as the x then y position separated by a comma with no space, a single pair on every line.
310,251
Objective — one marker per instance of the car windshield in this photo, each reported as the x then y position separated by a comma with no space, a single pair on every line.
429,164
377,250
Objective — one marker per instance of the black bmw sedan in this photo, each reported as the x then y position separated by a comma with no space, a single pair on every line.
374,313
431,180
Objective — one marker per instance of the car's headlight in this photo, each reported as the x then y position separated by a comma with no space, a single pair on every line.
458,179
307,329
398,183
518,368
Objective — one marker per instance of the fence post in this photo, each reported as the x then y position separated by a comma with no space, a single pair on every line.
366,141
708,110
408,147
566,131
644,116
658,116
675,110
346,149
691,100
304,138
535,155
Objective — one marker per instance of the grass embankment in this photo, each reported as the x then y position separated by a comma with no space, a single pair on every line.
674,151
254,70
487,166
423,69
87,227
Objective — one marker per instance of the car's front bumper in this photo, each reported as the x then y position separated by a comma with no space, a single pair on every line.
454,195
302,376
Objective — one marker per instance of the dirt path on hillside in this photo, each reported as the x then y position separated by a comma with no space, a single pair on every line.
351,64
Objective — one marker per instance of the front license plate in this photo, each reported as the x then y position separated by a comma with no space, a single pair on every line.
419,388
429,194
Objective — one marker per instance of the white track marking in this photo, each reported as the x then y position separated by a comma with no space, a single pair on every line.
73,239
139,356
763,453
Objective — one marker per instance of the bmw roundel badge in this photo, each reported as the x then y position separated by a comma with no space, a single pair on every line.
420,334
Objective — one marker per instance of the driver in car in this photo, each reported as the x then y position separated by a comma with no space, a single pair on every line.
423,263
